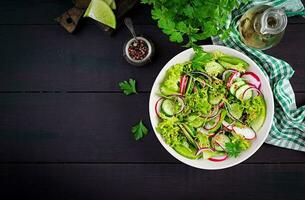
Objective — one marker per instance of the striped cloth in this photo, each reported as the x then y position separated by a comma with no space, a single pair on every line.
288,128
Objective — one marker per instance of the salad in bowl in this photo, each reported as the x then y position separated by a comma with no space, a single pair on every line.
209,108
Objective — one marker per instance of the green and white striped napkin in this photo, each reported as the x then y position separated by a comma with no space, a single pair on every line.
288,128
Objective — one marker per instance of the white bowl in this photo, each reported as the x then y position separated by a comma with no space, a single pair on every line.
262,133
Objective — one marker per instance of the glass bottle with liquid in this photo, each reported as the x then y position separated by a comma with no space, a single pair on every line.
262,26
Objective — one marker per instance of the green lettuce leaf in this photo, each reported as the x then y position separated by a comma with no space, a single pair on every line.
170,84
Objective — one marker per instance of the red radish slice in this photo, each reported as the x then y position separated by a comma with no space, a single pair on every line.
252,78
247,132
219,158
183,83
157,106
225,73
227,125
209,126
232,77
201,150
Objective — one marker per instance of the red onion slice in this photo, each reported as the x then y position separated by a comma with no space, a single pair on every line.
201,150
232,77
224,74
181,101
203,74
207,126
157,106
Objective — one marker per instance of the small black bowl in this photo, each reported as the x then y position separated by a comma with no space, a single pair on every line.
148,57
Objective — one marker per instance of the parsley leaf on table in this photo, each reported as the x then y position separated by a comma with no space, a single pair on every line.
128,87
139,130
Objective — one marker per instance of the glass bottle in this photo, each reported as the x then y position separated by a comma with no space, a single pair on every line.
262,26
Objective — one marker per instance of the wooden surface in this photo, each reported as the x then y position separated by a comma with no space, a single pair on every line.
65,126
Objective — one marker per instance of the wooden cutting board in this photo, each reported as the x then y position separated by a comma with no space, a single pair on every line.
71,19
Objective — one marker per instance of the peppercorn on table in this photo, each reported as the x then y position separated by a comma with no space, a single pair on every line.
65,126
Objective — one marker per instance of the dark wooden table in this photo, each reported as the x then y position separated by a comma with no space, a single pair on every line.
65,125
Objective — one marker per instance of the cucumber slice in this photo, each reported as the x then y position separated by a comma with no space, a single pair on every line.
215,123
213,68
247,94
259,121
168,107
240,91
221,140
209,154
236,85
216,146
236,110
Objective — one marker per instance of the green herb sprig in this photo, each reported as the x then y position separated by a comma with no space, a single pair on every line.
128,87
193,19
139,130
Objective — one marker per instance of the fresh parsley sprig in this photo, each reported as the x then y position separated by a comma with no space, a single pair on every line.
128,87
192,19
139,130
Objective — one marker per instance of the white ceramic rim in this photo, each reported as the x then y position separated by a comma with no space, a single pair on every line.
148,54
262,133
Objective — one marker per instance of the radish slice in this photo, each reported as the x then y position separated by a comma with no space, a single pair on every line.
183,83
252,78
157,106
219,158
209,126
247,132
232,77
225,73
201,150
227,125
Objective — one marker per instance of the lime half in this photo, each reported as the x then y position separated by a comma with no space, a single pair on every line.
100,11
